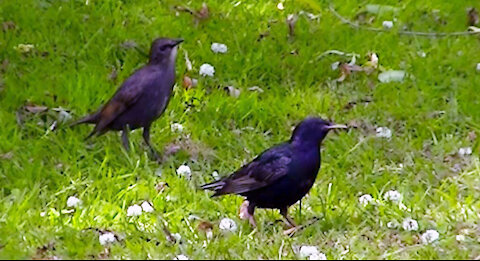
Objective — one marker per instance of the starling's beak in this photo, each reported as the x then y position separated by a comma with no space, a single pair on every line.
177,41
337,126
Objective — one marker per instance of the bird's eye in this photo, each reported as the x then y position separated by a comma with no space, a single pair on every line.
163,48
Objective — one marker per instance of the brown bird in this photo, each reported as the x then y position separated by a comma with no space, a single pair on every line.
142,98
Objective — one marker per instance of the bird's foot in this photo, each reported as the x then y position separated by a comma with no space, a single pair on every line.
291,231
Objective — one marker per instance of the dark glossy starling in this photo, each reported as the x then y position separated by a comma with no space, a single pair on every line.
281,175
142,98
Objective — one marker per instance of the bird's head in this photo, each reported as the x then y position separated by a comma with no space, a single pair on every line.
164,50
313,130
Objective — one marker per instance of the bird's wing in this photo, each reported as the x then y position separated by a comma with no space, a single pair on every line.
126,96
262,171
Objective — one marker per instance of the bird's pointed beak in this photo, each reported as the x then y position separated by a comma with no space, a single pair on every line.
337,126
178,41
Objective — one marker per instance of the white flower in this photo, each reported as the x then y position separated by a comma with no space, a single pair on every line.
134,210
181,257
460,237
185,171
312,253
365,199
219,48
177,236
106,238
410,224
384,132
393,195
147,207
429,236
215,175
207,70
387,24
392,224
280,6
42,214
228,224
334,66
209,234
465,151
24,48
73,202
478,67
176,127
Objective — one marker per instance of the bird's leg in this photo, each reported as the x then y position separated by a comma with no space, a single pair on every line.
251,218
246,212
125,142
146,137
294,228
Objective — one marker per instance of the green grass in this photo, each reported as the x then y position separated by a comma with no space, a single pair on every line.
77,47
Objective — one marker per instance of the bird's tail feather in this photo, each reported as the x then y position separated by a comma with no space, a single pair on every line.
93,118
216,186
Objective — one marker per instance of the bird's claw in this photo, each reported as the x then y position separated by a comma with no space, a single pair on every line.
291,231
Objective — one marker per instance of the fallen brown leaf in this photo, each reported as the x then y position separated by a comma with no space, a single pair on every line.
6,156
291,21
472,136
35,108
347,69
160,187
205,226
8,25
473,18
189,83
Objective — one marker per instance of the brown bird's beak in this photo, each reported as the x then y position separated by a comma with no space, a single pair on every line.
337,126
177,41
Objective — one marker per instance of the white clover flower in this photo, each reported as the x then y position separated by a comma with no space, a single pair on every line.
134,210
387,24
410,224
24,48
42,214
219,48
365,199
185,171
312,253
465,151
280,6
393,195
207,70
384,132
460,238
177,236
227,224
215,175
392,224
430,236
73,202
147,207
176,127
106,238
181,257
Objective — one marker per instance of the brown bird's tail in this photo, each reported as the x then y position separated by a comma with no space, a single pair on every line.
93,118
216,186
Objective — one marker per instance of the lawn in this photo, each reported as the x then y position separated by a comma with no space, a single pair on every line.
83,50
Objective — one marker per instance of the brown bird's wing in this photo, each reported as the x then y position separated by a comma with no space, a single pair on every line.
262,171
126,96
